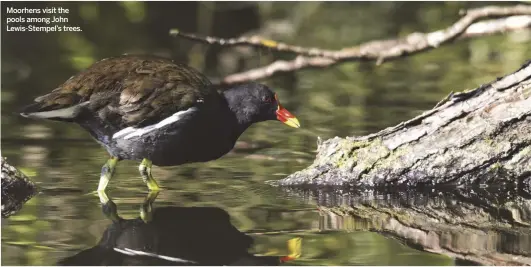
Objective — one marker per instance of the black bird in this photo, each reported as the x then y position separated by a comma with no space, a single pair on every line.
157,111
174,236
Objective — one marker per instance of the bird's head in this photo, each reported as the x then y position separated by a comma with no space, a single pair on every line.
253,102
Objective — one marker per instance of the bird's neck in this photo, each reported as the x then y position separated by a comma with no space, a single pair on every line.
238,111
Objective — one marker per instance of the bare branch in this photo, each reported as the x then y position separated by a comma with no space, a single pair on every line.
361,52
379,51
496,26
255,41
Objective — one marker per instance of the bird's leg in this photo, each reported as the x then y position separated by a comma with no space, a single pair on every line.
147,207
145,172
294,248
108,207
107,172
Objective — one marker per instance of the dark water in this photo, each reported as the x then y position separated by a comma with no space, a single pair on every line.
348,99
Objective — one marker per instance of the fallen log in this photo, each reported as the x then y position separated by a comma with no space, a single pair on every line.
488,227
476,137
16,189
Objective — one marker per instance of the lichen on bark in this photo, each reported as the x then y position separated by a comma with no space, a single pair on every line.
463,140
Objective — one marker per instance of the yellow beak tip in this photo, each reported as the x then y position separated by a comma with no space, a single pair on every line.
293,122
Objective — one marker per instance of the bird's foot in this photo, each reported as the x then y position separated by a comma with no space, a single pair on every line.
104,199
146,211
145,171
107,171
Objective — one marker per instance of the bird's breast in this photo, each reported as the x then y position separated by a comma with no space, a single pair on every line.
196,138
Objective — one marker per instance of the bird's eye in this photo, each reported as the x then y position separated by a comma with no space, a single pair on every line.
267,99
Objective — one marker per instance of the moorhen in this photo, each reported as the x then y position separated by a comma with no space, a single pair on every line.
160,112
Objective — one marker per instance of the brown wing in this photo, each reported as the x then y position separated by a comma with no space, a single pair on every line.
131,90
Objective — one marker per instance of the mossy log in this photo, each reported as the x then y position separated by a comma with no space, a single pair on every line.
479,136
482,226
16,189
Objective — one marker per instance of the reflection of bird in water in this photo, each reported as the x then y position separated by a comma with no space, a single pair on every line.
174,236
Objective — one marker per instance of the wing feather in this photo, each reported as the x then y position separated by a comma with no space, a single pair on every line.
131,91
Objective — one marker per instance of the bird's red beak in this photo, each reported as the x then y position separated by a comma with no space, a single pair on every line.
285,116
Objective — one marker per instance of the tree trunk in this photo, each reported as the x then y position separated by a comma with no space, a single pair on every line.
480,136
489,227
16,189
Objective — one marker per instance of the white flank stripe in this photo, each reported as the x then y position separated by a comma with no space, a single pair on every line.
132,252
131,132
124,252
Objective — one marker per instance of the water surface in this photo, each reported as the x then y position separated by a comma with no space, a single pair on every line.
348,99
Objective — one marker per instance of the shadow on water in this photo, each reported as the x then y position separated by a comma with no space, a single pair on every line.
488,226
174,236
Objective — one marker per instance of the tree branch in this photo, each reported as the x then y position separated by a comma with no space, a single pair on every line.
495,26
516,18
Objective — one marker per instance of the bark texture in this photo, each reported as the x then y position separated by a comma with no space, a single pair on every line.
490,227
16,189
479,136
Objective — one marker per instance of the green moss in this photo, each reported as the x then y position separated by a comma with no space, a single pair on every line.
496,166
489,141
361,155
347,151
527,92
394,156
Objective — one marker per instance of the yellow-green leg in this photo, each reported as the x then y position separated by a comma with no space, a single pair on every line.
145,172
108,207
107,171
146,211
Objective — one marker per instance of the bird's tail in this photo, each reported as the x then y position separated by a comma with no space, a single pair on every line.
40,110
